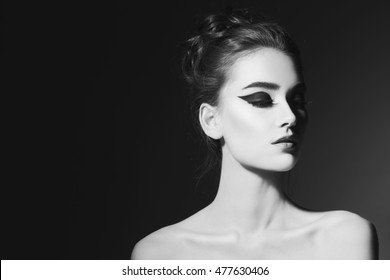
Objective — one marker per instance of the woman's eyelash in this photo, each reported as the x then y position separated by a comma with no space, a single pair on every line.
263,100
263,103
270,102
259,99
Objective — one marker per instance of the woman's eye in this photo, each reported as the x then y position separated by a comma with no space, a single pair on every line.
259,99
263,103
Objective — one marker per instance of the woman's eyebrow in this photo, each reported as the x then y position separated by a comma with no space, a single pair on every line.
266,85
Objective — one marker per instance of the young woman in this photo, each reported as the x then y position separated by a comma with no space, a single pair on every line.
249,96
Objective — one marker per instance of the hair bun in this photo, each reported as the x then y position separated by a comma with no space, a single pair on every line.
212,28
216,25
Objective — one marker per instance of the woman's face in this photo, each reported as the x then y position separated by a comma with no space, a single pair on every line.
262,101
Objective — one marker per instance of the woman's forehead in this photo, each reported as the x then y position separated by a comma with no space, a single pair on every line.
263,65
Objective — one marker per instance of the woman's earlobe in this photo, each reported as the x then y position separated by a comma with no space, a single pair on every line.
210,121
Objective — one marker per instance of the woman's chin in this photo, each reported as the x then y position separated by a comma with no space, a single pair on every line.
284,165
279,164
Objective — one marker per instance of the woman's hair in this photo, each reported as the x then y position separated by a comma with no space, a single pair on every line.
220,40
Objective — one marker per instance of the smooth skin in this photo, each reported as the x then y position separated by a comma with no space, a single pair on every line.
250,218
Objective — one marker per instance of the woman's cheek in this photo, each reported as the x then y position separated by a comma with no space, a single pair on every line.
243,131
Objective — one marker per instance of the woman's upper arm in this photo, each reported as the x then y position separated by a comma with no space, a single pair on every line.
374,243
365,241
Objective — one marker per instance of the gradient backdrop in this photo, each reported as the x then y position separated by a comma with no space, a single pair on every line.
101,151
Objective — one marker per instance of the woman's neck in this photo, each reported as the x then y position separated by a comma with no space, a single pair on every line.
249,201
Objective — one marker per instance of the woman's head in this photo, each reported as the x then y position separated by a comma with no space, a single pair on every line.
231,51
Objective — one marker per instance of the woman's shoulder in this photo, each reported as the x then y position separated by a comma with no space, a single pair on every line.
170,242
345,222
161,244
348,235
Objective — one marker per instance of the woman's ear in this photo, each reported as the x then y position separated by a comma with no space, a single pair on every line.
209,119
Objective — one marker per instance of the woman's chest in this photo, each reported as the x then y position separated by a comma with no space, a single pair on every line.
291,247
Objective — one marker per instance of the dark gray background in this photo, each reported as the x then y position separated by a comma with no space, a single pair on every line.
99,146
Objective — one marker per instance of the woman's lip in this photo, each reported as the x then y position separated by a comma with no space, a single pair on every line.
287,145
288,139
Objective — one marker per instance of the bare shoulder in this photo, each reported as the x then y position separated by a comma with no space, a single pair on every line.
171,242
161,244
348,236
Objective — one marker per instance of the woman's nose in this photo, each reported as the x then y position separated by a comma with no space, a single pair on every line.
287,117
